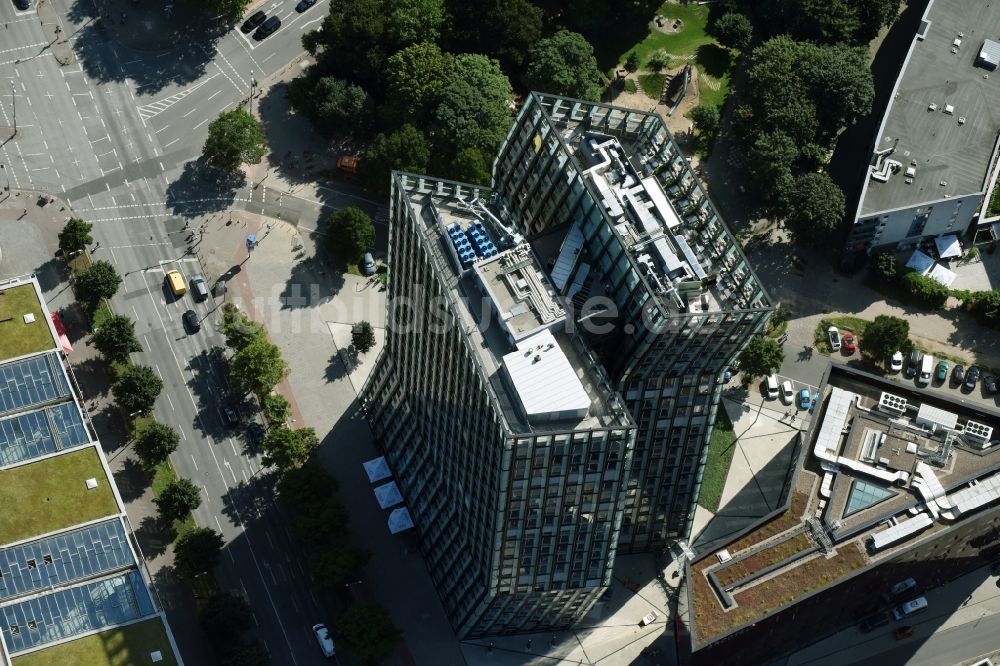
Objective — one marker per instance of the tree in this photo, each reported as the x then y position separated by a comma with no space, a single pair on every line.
564,64
75,236
828,21
706,120
886,336
470,166
197,551
733,30
286,448
299,487
367,632
771,159
362,336
230,9
225,617
258,367
154,443
247,654
414,79
404,150
501,29
177,500
659,60
474,111
925,291
350,233
98,282
762,356
277,410
234,138
239,329
816,206
886,267
137,388
632,62
115,338
338,565
351,42
336,107
322,521
413,21
842,85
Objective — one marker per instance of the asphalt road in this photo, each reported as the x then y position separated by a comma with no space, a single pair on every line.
117,135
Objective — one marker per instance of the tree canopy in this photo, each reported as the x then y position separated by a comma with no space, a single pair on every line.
925,291
277,410
762,356
154,443
350,233
177,500
362,336
234,138
98,282
137,388
226,616
501,29
828,21
470,166
367,632
474,111
336,107
239,329
197,551
229,9
286,448
75,236
351,42
115,338
258,367
564,64
414,21
734,30
885,336
816,209
414,79
405,149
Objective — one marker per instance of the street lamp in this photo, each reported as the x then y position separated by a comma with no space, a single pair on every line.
13,104
7,175
253,84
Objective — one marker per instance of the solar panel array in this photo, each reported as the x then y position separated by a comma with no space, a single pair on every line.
76,610
31,381
64,558
37,433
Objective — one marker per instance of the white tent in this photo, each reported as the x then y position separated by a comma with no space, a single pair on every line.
948,246
377,469
400,520
920,262
388,495
942,275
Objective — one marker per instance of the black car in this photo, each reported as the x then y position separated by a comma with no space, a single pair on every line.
914,364
958,373
269,26
229,415
990,384
304,5
873,622
23,4
971,377
252,22
191,321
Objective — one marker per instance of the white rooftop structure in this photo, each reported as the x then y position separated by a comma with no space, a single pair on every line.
920,262
948,246
935,417
977,494
901,531
521,295
544,380
942,275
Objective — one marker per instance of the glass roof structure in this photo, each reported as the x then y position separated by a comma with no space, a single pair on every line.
865,494
31,381
38,433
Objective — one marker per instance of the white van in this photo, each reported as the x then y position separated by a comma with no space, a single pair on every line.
772,387
910,608
926,370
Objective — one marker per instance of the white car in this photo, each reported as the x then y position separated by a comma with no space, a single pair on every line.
896,362
834,335
787,394
324,640
771,384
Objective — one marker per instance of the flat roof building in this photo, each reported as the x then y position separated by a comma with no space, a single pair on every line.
936,150
891,482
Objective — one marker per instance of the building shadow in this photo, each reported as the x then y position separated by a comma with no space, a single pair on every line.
202,188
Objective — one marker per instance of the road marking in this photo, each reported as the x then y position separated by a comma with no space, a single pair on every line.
214,95
267,58
201,123
171,402
161,129
189,112
168,145
154,109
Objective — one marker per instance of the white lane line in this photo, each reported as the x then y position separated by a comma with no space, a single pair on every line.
214,95
168,145
189,112
200,124
161,129
268,58
171,402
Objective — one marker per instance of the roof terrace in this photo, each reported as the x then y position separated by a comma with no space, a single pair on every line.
540,371
886,467
24,326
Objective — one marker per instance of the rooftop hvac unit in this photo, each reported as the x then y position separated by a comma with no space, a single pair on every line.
892,404
978,433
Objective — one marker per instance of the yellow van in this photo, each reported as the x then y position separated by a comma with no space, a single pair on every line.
176,283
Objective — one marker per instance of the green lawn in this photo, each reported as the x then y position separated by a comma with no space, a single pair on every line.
720,455
123,646
52,494
16,337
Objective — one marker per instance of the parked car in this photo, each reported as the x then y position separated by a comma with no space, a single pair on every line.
368,264
958,373
972,377
304,5
805,400
229,415
873,622
900,588
771,387
990,384
914,363
787,394
902,632
323,638
267,28
833,335
941,373
911,607
896,362
252,22
191,322
199,288
23,4
850,343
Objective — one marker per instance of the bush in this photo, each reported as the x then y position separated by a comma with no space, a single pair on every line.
925,292
885,267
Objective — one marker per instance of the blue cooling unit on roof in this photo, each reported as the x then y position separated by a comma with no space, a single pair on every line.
466,255
481,241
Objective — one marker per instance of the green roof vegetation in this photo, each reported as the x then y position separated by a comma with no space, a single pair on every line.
720,456
16,337
122,646
52,494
